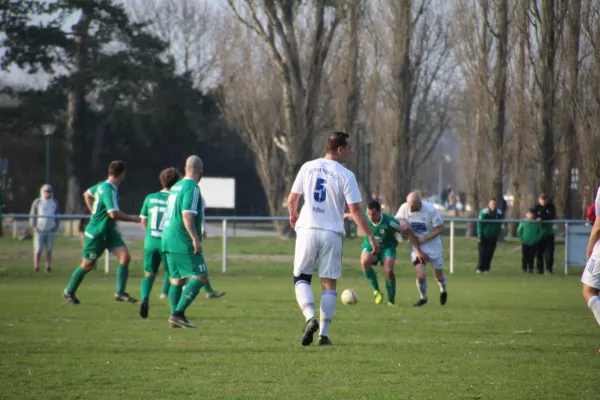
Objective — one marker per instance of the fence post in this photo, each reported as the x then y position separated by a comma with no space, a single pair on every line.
451,247
15,229
106,261
224,245
566,248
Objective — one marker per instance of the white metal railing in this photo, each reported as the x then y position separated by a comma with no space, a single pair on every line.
566,224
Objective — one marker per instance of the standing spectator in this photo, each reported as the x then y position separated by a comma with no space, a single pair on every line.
487,234
530,232
545,211
590,215
1,207
44,210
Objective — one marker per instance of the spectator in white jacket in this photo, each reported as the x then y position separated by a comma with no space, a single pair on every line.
44,223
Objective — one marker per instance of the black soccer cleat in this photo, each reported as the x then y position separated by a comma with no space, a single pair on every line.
420,303
124,297
144,307
311,327
214,295
71,298
324,341
178,318
443,298
174,326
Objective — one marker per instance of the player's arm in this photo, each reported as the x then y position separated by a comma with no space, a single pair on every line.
594,237
479,226
112,204
404,228
294,197
144,214
353,199
88,199
190,210
358,215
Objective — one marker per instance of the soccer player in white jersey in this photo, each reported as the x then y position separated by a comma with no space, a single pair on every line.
591,274
326,185
427,225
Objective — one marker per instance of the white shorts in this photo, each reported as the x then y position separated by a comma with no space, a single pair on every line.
316,246
591,273
43,240
435,262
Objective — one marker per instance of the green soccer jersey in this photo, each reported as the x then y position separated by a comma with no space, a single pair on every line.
153,211
384,232
106,199
183,198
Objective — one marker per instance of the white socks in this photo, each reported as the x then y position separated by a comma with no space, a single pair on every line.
306,299
422,286
328,302
594,305
442,283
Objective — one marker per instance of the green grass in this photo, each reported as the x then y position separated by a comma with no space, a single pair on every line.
501,336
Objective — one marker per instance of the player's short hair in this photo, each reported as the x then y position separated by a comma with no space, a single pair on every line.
543,196
336,140
116,168
168,177
531,210
492,199
374,206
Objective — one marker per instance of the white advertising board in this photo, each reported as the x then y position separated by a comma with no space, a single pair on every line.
218,192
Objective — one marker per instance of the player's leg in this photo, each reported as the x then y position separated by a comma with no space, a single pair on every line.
367,260
440,277
330,270
541,248
37,250
531,258
590,280
549,254
491,250
164,292
210,292
193,270
525,256
480,255
115,243
92,248
49,249
390,277
151,263
421,282
305,256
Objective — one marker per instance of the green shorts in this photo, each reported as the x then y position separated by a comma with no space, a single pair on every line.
184,265
95,246
383,254
152,260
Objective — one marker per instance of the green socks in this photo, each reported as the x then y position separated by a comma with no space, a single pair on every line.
372,278
174,296
147,283
122,274
391,290
207,287
76,280
192,288
166,284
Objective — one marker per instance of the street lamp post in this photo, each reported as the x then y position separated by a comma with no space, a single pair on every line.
446,160
48,132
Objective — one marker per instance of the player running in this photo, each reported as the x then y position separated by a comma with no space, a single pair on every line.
590,278
152,216
384,227
101,233
426,223
326,184
182,242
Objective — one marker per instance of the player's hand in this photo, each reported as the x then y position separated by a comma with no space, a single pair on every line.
375,245
136,219
197,246
422,256
421,239
294,218
538,219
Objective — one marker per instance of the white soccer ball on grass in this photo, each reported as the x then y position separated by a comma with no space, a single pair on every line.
349,296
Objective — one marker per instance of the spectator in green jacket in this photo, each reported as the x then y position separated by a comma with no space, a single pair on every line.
487,234
530,232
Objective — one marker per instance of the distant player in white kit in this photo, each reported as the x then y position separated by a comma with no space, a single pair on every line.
326,186
591,274
427,225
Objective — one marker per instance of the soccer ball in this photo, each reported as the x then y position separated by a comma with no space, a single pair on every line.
349,296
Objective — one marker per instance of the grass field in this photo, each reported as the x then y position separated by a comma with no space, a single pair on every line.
504,335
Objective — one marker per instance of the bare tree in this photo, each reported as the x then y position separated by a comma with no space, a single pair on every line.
410,90
298,38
